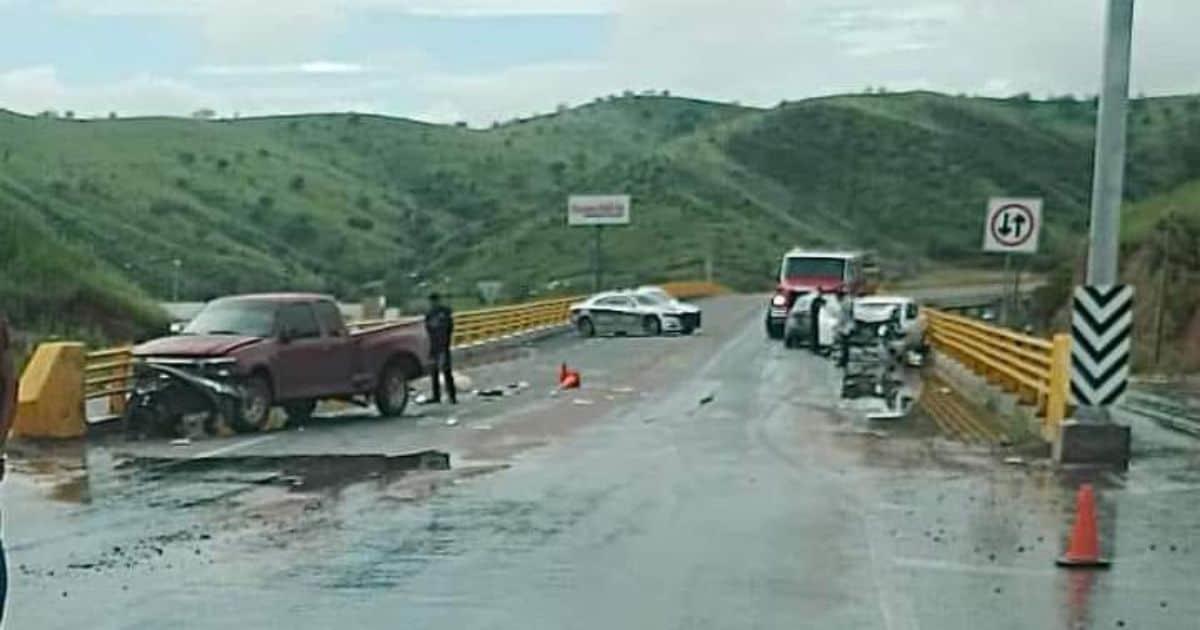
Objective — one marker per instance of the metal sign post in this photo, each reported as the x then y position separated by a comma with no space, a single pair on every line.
598,211
598,259
1107,188
1108,178
1012,226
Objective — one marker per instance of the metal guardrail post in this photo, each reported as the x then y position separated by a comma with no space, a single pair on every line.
1060,379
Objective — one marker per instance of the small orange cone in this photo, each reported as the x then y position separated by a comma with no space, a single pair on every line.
1083,550
568,378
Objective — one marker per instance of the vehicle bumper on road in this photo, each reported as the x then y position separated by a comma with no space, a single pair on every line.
775,321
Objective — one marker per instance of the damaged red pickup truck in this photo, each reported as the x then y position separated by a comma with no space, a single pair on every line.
242,355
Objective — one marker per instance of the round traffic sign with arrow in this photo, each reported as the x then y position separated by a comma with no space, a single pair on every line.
1013,225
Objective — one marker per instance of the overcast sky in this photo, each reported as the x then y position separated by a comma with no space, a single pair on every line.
483,60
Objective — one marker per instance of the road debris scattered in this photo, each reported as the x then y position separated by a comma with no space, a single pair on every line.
181,442
582,402
1014,461
708,399
482,427
451,421
490,393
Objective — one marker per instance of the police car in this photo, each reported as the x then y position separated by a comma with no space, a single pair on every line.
642,312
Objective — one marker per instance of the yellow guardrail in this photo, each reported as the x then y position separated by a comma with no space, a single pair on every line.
690,290
106,373
1035,369
473,327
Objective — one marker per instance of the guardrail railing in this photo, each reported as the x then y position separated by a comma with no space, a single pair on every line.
1035,369
106,374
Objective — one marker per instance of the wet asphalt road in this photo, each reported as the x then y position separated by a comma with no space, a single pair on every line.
629,504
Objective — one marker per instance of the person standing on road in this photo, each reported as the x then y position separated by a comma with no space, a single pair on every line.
845,327
8,410
439,324
814,317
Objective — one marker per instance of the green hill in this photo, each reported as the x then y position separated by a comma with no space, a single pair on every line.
1161,258
331,202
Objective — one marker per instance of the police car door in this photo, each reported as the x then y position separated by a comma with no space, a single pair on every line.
606,314
628,315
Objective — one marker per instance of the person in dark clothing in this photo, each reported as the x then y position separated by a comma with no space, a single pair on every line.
439,324
8,410
814,313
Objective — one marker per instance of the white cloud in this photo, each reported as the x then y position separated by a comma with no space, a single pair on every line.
755,51
40,88
520,91
327,7
30,89
310,67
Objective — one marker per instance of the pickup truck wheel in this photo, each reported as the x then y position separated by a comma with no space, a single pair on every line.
586,327
299,411
391,395
255,410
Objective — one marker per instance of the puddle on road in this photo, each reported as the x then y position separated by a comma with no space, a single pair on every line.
300,473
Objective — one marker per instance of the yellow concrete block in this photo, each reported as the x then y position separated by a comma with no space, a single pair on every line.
51,393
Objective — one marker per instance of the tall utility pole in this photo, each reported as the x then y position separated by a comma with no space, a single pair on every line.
597,259
1109,176
176,265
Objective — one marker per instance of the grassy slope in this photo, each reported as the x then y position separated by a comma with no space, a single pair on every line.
1161,242
329,202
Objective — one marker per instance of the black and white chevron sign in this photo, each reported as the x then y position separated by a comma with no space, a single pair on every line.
1101,331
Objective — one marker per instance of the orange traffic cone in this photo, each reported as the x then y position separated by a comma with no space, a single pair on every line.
568,378
1083,550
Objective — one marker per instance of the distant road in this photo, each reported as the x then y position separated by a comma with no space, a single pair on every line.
967,295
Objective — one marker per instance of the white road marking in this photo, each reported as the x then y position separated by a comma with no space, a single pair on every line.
237,446
930,564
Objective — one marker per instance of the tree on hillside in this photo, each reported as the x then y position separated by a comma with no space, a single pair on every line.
204,113
297,184
558,169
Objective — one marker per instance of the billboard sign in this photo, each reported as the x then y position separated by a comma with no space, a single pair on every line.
598,210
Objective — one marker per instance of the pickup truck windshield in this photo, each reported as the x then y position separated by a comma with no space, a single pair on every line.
235,317
798,267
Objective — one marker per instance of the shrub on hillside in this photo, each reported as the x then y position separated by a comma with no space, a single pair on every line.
299,228
360,223
297,184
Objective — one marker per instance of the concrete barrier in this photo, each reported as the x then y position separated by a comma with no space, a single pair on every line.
50,401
